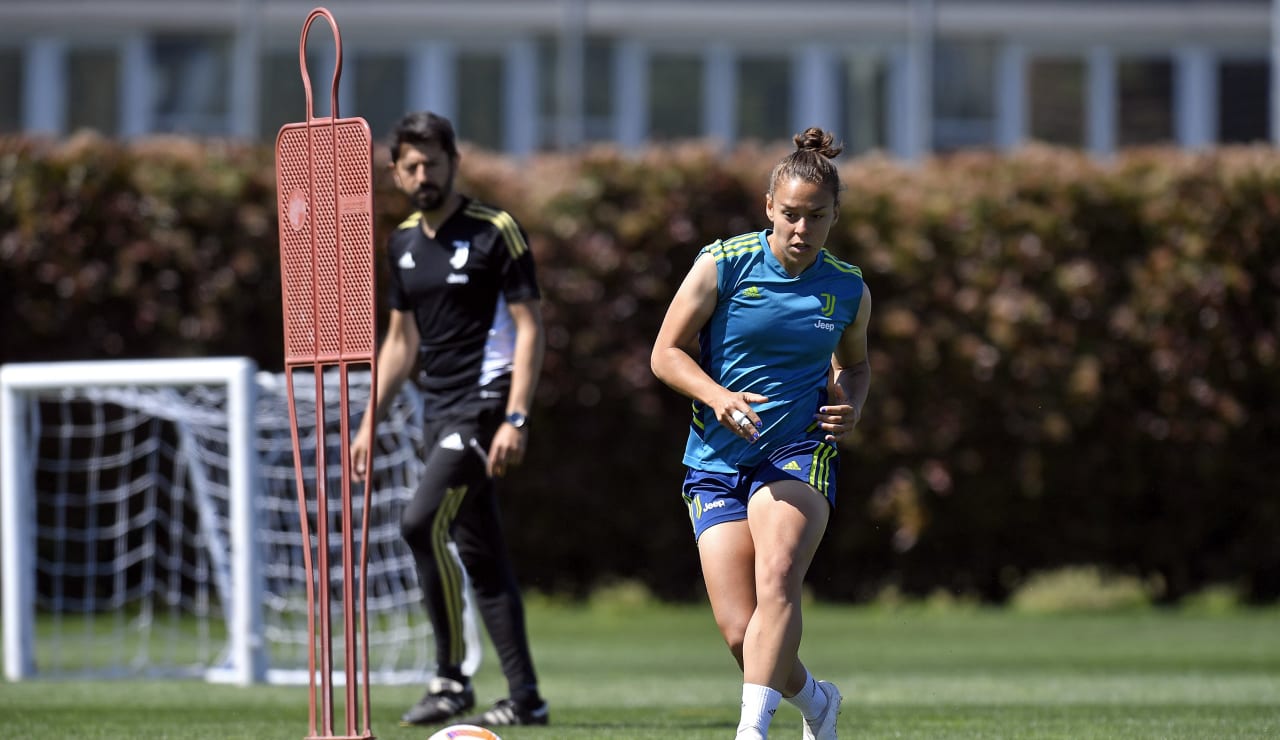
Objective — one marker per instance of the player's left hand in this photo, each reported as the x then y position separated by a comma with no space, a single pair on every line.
506,451
839,417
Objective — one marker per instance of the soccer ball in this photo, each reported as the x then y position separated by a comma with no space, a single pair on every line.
464,732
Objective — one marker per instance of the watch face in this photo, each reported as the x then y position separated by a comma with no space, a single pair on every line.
516,420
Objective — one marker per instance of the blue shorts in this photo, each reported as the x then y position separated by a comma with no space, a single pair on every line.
714,497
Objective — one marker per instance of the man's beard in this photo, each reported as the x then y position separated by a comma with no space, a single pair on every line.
430,198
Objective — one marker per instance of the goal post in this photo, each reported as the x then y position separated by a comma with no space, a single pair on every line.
149,524
17,381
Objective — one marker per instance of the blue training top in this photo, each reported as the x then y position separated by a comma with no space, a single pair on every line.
771,334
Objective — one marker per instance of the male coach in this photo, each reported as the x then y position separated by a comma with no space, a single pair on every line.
465,311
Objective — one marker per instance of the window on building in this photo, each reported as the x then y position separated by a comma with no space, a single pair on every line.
380,85
764,98
963,94
548,93
864,85
675,96
597,91
10,90
282,98
479,86
191,77
1244,101
1145,87
93,90
1056,91
596,112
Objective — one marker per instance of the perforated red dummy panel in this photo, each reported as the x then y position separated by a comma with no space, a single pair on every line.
326,239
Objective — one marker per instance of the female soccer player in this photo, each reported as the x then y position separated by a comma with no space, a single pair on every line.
777,321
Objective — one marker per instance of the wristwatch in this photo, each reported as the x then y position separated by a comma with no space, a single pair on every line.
517,419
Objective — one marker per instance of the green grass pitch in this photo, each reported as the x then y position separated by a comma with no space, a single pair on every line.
659,672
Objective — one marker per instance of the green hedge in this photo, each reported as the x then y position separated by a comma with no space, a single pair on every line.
1074,362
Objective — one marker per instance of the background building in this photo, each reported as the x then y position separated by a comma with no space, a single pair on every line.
904,76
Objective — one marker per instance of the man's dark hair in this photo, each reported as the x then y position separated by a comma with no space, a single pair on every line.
424,127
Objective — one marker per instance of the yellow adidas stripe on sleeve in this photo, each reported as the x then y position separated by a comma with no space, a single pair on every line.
411,221
841,265
737,245
506,224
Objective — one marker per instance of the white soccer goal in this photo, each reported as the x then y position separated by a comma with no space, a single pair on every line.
151,526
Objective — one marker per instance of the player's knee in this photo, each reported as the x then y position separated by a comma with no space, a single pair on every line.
734,632
779,579
736,651
735,643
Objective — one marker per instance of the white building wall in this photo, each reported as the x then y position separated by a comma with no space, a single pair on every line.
1102,112
631,94
815,88
521,128
1011,96
1195,96
432,71
44,99
720,93
1194,35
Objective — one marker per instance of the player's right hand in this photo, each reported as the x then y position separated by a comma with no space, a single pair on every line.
735,413
360,454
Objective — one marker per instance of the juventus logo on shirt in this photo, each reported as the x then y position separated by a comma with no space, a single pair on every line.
461,250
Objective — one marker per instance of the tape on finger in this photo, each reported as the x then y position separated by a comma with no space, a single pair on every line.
740,418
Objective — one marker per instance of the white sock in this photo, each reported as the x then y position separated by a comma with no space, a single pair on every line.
758,705
811,700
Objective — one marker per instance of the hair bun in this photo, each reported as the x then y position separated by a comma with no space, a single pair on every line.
815,139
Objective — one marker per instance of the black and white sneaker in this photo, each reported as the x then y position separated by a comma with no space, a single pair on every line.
506,712
445,698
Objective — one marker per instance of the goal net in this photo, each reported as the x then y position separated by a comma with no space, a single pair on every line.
151,525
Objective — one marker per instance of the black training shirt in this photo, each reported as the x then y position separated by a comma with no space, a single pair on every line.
457,286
